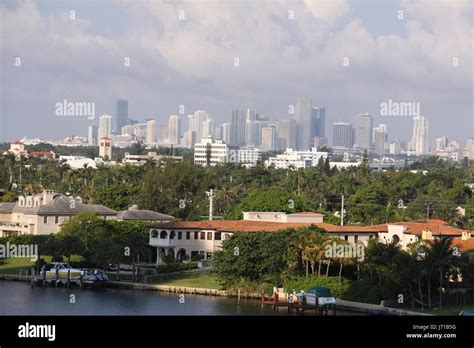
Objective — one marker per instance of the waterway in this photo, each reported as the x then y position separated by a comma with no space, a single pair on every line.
17,298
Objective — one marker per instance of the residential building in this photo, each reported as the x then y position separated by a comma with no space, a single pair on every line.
184,239
249,155
142,159
44,213
214,151
296,159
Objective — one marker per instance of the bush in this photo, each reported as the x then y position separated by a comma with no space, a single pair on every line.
175,267
368,291
338,289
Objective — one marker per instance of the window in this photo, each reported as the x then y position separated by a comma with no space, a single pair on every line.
203,235
209,235
172,234
45,219
194,254
196,235
188,235
346,237
356,238
208,256
163,234
56,220
217,236
154,233
201,253
180,235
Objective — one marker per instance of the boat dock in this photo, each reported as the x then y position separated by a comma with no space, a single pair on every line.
298,307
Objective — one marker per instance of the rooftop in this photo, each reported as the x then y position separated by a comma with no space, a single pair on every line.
133,213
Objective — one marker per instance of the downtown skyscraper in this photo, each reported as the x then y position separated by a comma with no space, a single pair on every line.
363,131
121,116
237,128
343,135
174,128
310,123
419,141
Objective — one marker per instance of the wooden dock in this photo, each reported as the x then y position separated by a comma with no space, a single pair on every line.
298,307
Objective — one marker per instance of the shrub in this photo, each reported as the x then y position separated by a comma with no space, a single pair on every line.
338,289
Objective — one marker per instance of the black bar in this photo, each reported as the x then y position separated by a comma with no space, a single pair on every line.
218,330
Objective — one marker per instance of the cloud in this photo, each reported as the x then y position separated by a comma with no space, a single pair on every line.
327,10
191,60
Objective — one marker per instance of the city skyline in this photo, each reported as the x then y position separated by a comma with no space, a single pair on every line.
161,59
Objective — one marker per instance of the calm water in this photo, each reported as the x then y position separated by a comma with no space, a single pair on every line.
19,299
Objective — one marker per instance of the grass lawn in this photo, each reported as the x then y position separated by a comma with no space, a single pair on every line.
208,281
14,265
451,310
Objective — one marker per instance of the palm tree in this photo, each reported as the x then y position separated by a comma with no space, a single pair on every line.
441,258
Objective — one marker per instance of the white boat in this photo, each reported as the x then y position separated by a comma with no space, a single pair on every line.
317,296
61,271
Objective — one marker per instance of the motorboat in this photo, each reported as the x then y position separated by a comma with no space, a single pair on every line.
317,296
62,271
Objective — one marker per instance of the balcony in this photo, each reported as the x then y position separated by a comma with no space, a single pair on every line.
162,242
16,227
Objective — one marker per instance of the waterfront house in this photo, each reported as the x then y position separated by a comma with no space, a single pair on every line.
44,213
184,239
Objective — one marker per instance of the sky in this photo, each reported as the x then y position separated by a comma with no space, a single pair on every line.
347,56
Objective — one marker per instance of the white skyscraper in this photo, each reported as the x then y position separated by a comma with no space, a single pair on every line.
208,128
197,123
92,135
225,133
441,143
105,126
419,140
174,126
363,131
150,131
381,139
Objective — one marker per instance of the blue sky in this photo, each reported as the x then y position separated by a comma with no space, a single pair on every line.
190,62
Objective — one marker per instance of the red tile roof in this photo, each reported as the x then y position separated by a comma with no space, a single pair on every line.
437,227
464,244
255,226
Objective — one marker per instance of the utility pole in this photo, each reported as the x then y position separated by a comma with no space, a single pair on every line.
210,204
342,210
428,206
